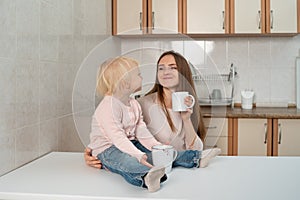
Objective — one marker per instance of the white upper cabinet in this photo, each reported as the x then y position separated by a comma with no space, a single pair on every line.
136,17
248,16
129,16
205,16
264,16
282,16
163,17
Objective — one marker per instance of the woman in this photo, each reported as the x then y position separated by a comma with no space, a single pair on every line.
183,130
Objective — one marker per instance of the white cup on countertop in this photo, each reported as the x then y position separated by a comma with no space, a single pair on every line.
247,99
164,155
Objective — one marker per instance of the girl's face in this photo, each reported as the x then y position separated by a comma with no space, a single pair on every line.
136,80
167,72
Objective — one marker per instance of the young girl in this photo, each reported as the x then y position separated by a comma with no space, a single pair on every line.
119,135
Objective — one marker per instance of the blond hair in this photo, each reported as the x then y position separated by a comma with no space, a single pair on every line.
112,72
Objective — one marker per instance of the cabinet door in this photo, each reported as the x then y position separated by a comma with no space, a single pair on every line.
217,134
206,16
248,16
282,16
164,16
253,135
288,137
129,16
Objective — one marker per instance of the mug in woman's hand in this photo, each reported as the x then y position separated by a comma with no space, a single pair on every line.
178,101
164,155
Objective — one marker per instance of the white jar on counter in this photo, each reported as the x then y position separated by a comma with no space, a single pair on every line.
247,97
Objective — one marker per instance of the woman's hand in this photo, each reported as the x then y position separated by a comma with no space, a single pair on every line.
144,161
186,115
90,160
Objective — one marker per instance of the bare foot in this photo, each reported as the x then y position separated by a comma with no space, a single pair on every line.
152,179
207,155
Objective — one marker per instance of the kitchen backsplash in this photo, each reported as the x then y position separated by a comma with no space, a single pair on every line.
265,65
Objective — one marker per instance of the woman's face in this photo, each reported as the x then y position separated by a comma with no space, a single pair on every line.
167,72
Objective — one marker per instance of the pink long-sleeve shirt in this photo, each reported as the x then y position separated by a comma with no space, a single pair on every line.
115,123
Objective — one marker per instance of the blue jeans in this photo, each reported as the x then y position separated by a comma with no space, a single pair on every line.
124,164
187,159
133,171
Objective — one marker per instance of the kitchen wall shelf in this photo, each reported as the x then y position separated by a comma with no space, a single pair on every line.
208,36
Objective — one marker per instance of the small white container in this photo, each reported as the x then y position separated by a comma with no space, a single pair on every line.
247,99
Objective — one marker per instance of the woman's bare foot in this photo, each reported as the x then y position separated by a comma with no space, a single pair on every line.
207,155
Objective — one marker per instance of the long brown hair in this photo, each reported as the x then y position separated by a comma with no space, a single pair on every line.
186,83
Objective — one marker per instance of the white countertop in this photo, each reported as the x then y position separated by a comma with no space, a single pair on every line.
65,176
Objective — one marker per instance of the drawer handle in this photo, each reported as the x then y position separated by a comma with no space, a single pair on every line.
259,20
266,132
153,20
280,130
223,16
211,127
141,20
272,19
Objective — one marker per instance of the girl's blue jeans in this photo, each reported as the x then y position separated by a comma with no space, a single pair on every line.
133,171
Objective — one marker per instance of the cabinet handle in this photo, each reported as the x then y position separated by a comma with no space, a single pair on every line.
141,20
223,15
271,19
211,127
280,130
259,20
153,20
266,133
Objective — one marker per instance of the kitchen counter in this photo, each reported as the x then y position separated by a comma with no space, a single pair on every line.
258,112
61,175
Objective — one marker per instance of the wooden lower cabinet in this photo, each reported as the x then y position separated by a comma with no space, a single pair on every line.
286,137
254,137
266,137
218,134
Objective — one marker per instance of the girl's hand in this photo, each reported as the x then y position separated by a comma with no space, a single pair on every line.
144,161
91,160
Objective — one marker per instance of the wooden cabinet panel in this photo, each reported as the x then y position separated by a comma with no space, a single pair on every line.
281,16
253,137
248,16
196,17
220,142
206,16
264,16
164,16
129,21
136,17
287,137
217,134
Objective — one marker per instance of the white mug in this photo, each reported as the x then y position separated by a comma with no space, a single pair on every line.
178,101
164,155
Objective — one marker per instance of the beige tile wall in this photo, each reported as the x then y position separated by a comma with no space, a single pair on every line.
42,44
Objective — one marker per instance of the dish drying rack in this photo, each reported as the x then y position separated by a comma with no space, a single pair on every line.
222,78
